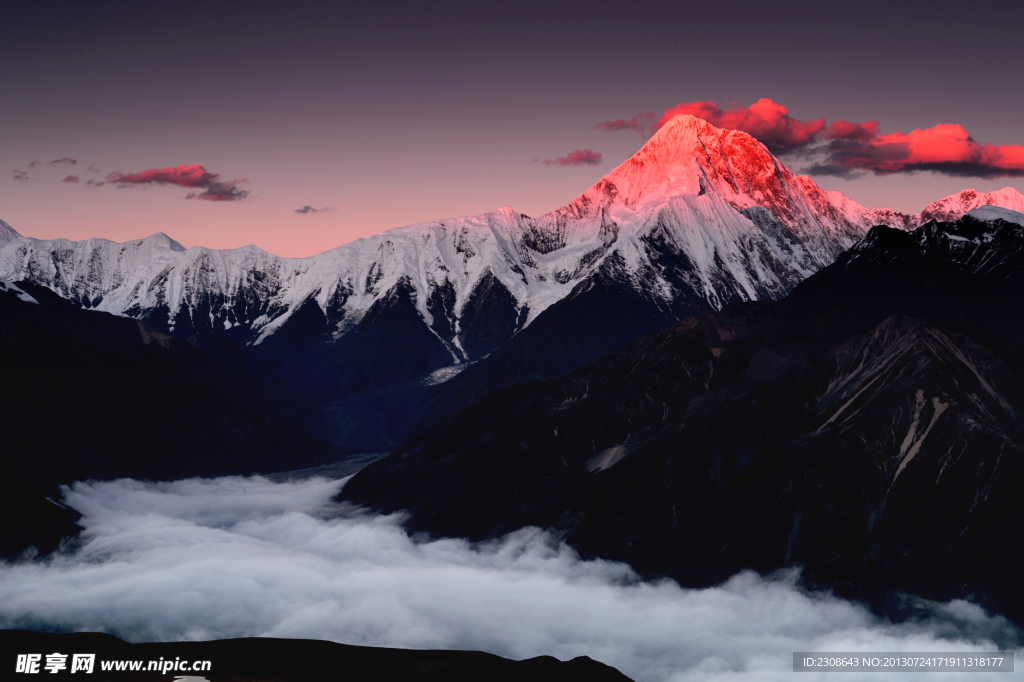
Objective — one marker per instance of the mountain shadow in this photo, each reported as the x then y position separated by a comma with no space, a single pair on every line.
868,428
89,395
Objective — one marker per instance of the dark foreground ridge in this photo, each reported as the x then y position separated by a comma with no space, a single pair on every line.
291,660
867,428
88,395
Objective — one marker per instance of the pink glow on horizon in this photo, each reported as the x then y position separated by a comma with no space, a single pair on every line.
395,187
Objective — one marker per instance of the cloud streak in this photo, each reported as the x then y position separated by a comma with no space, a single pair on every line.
578,157
19,174
66,160
309,209
70,178
232,557
193,177
641,123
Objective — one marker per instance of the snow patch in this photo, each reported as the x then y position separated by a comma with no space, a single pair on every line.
10,286
444,374
912,442
608,458
991,213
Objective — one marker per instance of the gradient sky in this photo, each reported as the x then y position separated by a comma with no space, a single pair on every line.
417,111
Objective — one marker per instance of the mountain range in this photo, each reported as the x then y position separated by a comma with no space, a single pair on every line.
702,364
376,330
868,428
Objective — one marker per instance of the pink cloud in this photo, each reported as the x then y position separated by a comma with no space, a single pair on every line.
945,148
182,176
579,157
71,178
193,177
840,129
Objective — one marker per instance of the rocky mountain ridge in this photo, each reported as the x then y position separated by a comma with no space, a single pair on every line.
698,218
867,428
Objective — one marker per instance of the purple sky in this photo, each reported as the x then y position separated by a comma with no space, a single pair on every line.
425,110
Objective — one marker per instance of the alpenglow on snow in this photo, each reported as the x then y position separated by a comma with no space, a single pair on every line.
698,212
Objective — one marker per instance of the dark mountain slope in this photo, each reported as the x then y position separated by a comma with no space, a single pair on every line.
88,395
868,427
609,309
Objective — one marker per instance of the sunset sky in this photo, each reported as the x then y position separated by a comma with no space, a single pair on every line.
224,124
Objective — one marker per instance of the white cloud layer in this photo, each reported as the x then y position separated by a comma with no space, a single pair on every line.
232,557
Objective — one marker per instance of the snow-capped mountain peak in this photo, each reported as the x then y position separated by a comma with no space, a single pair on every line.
954,206
699,217
7,233
689,156
990,213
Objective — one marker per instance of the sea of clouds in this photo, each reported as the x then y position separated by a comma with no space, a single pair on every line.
233,557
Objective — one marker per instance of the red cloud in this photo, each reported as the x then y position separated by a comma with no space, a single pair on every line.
852,131
640,123
182,176
945,148
855,147
769,122
71,178
579,157
193,177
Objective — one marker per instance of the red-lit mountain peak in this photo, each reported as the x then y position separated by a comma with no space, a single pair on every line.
691,157
955,205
